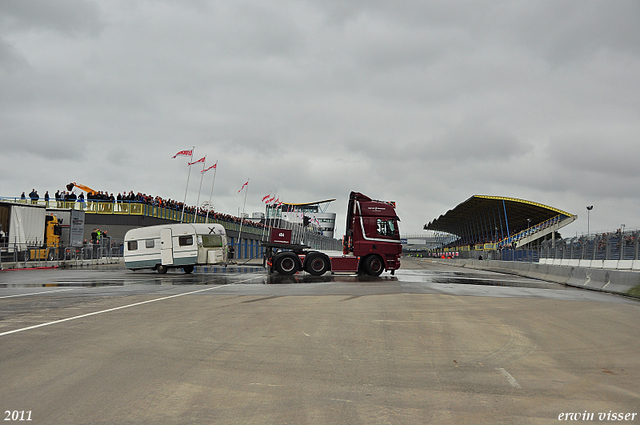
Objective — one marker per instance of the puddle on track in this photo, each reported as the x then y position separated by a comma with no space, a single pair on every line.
241,275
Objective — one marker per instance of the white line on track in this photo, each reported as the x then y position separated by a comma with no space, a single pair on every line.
510,378
37,293
55,322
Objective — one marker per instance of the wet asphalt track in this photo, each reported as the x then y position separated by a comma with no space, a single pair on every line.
432,344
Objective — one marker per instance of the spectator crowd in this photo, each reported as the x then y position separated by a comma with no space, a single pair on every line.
94,200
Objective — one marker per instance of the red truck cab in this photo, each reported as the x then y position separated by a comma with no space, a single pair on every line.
372,234
371,244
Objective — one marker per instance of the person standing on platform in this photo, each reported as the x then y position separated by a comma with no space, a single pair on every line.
34,196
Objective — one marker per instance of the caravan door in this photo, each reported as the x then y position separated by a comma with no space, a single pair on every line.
166,247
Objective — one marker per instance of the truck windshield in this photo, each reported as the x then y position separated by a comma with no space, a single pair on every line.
212,241
387,227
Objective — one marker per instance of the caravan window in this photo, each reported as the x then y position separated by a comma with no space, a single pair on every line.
149,243
212,241
132,245
185,240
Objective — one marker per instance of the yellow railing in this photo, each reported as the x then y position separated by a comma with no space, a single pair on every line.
137,208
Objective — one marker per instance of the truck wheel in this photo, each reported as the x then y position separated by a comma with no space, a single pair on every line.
373,265
188,269
286,263
316,264
162,269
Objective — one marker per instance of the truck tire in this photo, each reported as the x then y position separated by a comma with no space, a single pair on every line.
286,263
188,269
162,269
316,264
373,265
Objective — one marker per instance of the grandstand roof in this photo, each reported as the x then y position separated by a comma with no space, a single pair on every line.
481,214
305,204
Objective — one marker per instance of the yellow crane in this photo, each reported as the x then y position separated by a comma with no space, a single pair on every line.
87,189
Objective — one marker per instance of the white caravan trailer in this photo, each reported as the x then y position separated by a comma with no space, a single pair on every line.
182,245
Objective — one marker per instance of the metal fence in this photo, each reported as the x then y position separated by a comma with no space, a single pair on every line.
605,246
618,245
35,255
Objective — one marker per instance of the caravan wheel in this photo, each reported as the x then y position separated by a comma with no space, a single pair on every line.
162,269
188,269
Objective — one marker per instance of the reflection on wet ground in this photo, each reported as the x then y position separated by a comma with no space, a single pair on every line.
481,279
275,279
200,279
256,275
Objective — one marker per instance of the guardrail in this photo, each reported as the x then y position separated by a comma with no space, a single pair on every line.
625,282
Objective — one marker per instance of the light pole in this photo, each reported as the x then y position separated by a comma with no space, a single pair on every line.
528,234
589,208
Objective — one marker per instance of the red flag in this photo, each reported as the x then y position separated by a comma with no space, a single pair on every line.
243,186
184,153
207,169
265,198
195,162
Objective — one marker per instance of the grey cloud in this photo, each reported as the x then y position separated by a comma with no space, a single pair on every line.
69,17
573,30
597,154
478,143
10,59
422,102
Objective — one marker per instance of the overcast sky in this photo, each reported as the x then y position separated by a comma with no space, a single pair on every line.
424,103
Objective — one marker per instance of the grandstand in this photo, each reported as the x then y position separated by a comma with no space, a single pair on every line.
486,223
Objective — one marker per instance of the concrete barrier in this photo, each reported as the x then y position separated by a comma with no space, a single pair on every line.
597,264
625,265
597,278
624,282
559,274
537,271
578,277
584,263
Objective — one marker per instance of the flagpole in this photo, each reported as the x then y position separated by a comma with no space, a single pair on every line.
274,212
242,219
198,199
193,148
266,218
215,170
